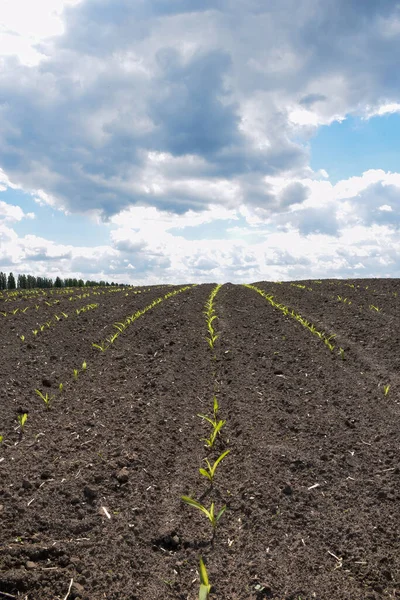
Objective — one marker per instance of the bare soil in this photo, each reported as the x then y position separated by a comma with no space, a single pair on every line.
90,491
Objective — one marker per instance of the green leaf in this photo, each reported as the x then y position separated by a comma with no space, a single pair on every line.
221,512
203,574
205,474
213,423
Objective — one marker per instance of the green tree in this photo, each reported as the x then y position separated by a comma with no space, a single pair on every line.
11,282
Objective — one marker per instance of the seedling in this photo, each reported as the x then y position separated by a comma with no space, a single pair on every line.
102,346
84,365
372,307
214,421
216,429
46,398
76,372
35,331
205,587
22,337
386,389
60,387
210,472
1,438
22,420
341,352
210,514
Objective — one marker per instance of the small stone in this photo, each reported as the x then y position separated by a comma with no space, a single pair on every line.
46,382
26,484
30,565
123,475
175,541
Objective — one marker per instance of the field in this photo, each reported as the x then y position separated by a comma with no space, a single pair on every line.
306,376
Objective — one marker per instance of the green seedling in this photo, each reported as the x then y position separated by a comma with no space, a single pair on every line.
3,313
205,587
210,514
216,429
46,398
14,312
372,307
214,421
22,337
76,372
386,389
120,326
84,365
35,331
22,420
25,309
341,352
102,346
210,471
1,438
64,315
61,387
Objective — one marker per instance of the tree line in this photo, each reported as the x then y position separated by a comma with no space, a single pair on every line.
28,282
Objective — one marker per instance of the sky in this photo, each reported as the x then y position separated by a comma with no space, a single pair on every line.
169,141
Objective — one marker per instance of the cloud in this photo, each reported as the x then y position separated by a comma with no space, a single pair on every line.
225,90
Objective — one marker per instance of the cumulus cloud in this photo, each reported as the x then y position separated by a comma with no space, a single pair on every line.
221,88
162,115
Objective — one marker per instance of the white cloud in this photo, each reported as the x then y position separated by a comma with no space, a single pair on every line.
24,24
389,108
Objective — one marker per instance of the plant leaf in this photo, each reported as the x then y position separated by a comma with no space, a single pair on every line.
205,474
221,512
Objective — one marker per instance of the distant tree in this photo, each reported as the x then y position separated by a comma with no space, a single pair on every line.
3,281
58,283
11,282
30,282
22,281
81,283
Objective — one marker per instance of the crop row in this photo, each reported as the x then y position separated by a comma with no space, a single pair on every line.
287,311
215,423
122,326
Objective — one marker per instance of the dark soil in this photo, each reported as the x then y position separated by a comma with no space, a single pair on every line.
90,491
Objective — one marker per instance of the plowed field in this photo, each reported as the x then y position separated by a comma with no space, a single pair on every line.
91,486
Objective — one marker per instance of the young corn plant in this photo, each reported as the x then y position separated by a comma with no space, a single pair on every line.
76,373
102,346
210,514
341,352
61,387
22,418
205,587
45,397
386,389
84,366
216,430
213,421
210,471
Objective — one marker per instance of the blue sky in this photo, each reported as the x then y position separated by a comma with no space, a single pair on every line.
161,141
